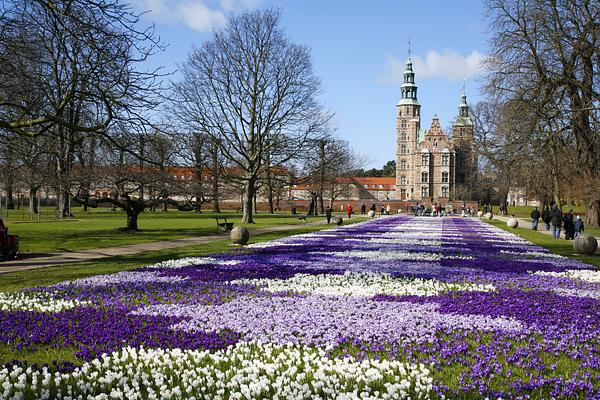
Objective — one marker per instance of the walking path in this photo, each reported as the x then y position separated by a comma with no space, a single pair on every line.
525,223
95,254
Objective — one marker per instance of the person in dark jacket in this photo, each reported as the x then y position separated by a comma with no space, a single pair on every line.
577,227
568,220
535,216
546,217
328,214
556,221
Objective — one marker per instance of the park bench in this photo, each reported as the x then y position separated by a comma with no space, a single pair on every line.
224,226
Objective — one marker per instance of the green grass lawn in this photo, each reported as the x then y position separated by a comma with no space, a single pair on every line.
558,246
50,275
100,228
525,211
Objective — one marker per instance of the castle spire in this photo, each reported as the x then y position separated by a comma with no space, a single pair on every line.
408,88
463,118
463,107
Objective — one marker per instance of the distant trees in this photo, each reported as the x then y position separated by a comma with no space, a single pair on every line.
388,170
328,168
255,94
544,78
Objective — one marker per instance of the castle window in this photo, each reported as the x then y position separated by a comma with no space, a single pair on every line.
403,136
403,149
403,180
424,191
402,194
403,165
444,191
444,177
445,159
403,123
424,177
425,159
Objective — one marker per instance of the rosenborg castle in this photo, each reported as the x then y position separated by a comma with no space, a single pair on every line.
430,165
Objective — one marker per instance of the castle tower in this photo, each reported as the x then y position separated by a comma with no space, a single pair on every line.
465,163
408,112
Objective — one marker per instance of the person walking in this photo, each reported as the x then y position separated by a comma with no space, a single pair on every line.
328,214
546,217
363,209
349,211
388,209
577,227
568,223
535,216
556,220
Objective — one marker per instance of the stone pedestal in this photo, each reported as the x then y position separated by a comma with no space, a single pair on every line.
239,235
512,222
585,244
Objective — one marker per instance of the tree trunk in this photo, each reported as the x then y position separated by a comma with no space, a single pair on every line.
270,196
248,201
313,204
133,208
593,214
215,195
10,201
132,218
33,205
321,175
214,154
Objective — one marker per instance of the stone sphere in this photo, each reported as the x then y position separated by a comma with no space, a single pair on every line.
489,215
338,220
585,244
372,214
480,214
239,235
512,223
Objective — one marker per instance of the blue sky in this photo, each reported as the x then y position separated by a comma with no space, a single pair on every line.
359,49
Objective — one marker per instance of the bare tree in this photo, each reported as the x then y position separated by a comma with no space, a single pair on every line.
328,169
545,56
60,58
254,93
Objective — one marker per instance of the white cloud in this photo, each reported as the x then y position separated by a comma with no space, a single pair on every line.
447,64
199,15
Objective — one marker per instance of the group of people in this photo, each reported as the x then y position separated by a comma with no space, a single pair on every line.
572,224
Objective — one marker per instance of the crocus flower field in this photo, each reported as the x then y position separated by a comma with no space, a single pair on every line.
393,308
